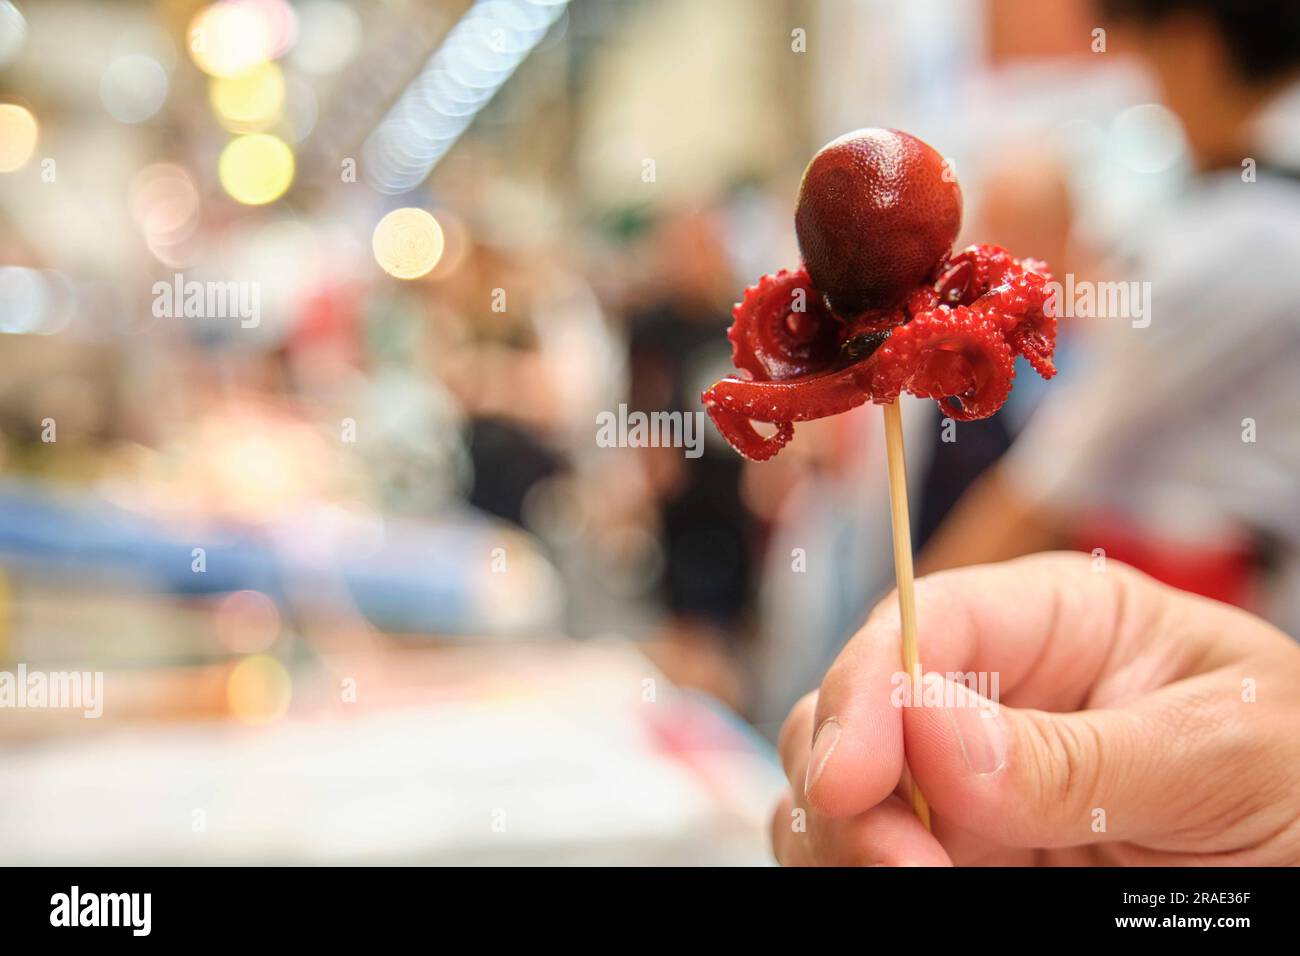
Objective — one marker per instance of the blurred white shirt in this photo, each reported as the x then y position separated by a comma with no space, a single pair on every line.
1156,422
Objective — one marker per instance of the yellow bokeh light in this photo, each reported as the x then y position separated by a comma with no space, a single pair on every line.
258,690
227,39
18,131
407,243
256,169
250,101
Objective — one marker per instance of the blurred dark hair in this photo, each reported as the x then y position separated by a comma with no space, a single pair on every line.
1263,36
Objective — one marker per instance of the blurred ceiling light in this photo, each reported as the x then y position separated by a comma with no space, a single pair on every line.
407,243
256,169
13,32
230,37
164,202
1148,138
475,59
258,690
249,101
329,35
133,88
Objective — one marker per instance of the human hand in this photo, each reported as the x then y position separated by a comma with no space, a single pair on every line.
1138,725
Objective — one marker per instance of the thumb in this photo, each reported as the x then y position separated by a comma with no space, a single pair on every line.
1030,778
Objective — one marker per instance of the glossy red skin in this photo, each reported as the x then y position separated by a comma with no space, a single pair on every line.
877,215
953,340
773,340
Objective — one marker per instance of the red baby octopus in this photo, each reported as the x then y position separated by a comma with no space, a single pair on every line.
880,305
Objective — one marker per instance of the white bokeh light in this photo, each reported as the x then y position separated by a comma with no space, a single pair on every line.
329,35
133,88
13,33
1148,138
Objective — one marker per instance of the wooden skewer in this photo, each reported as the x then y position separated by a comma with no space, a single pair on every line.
903,571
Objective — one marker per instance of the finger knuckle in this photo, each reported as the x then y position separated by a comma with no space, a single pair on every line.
1067,757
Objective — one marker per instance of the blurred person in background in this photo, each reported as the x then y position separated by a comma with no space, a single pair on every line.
503,386
708,535
1176,447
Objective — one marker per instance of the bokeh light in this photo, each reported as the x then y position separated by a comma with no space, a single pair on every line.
256,169
258,690
164,202
281,22
250,101
247,622
230,38
13,33
1148,138
255,468
23,297
456,244
133,88
407,243
18,132
476,58
329,33
35,302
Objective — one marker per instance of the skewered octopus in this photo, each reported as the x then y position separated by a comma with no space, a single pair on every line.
880,305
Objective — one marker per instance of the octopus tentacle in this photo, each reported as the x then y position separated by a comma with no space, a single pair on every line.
739,430
970,273
781,328
978,268
954,285
955,356
1020,304
794,400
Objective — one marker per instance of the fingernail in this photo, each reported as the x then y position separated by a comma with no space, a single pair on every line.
828,735
979,731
